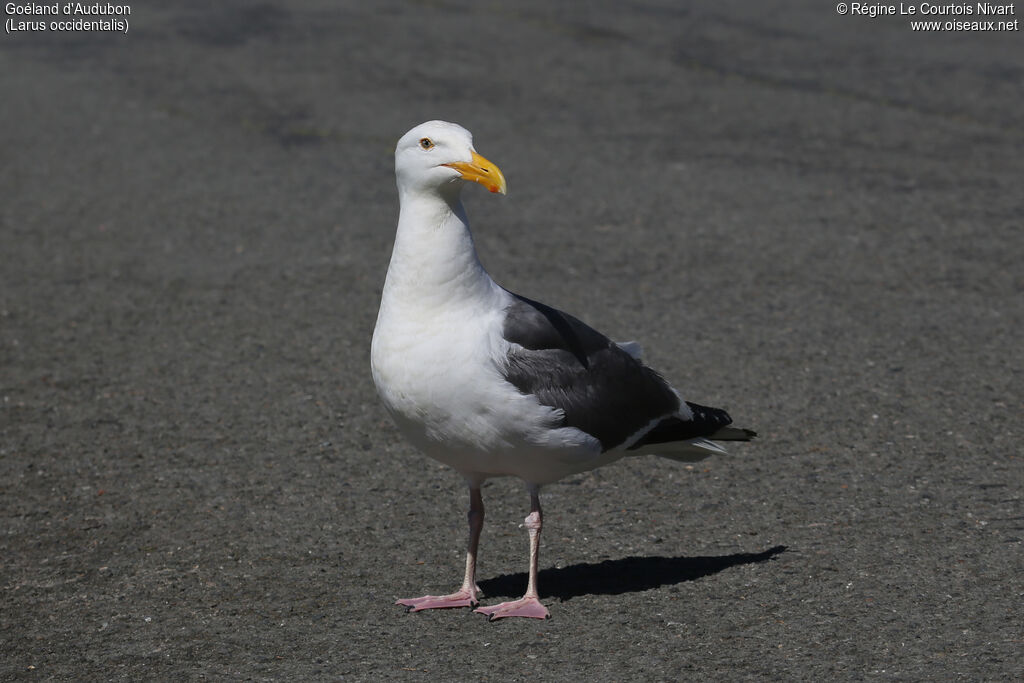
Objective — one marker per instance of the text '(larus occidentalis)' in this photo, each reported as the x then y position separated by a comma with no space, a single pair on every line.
492,383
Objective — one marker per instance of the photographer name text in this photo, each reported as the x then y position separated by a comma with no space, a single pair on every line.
927,16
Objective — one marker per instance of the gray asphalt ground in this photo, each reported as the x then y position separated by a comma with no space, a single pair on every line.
812,220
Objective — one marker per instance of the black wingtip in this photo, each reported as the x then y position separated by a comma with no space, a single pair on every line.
733,434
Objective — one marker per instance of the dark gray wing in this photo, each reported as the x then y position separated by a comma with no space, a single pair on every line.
566,364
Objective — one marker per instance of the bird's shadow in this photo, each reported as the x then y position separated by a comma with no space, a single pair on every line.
627,575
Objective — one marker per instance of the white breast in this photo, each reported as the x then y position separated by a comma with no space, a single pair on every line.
438,373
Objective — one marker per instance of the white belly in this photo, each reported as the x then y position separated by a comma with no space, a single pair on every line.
440,379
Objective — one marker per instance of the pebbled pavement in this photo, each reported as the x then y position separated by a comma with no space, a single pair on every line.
810,219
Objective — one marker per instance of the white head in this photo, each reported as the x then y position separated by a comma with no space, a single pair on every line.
438,157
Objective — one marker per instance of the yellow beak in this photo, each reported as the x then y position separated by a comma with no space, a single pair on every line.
482,171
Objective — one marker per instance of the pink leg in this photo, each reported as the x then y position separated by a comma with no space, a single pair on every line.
467,595
528,605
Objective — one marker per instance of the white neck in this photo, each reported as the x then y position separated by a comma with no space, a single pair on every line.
434,261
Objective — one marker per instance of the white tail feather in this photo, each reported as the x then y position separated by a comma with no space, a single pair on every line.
692,450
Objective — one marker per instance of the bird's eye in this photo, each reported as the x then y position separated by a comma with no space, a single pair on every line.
426,143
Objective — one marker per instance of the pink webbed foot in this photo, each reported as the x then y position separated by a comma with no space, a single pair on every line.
524,607
462,598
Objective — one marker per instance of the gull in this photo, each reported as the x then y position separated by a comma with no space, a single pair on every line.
492,383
